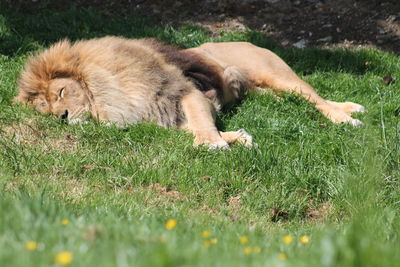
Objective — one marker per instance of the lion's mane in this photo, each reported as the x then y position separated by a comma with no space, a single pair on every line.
126,81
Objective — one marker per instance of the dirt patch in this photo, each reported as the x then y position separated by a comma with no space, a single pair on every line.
347,23
30,133
319,213
165,192
234,202
95,167
209,210
73,190
67,141
277,214
24,133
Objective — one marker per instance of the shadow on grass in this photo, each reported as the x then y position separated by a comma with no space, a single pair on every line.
22,33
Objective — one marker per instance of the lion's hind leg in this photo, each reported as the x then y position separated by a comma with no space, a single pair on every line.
337,112
264,68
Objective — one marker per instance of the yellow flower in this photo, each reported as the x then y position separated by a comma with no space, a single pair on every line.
31,245
304,239
287,239
250,250
210,242
214,241
63,258
171,223
257,250
206,234
244,240
65,222
282,256
207,243
247,250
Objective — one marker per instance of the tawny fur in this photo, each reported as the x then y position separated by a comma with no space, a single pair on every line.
266,69
128,81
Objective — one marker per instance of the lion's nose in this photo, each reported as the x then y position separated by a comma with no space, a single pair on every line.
64,115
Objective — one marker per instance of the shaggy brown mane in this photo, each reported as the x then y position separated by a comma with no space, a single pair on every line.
204,74
120,80
59,61
56,62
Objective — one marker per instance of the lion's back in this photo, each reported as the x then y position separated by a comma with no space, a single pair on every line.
126,80
131,82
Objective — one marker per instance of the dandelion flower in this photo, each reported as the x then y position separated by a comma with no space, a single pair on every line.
287,239
247,250
282,256
214,241
210,242
31,245
171,223
257,250
244,240
207,243
63,258
65,222
304,239
206,234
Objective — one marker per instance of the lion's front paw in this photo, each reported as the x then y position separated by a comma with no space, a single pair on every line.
240,136
218,145
211,143
245,138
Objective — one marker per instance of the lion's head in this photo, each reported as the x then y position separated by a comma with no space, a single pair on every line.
52,84
67,99
63,97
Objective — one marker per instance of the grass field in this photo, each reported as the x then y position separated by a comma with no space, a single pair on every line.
311,194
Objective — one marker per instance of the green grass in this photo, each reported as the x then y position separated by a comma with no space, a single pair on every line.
336,184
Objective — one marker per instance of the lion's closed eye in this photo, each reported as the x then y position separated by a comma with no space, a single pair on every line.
40,105
61,92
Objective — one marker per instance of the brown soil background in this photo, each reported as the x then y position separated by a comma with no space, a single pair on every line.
321,23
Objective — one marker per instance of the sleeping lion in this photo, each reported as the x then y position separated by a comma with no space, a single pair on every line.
126,81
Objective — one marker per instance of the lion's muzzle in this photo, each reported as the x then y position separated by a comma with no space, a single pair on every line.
64,116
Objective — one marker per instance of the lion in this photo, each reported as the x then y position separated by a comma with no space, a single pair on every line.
126,81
